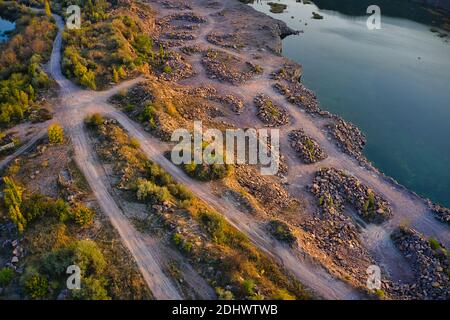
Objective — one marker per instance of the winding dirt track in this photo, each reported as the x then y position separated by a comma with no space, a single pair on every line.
77,103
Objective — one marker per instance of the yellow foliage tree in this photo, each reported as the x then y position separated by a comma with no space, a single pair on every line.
55,134
48,11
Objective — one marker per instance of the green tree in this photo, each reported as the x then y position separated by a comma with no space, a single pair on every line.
55,134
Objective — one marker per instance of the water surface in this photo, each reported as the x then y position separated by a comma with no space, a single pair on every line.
5,25
393,83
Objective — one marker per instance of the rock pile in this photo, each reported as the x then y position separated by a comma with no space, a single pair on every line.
307,149
430,262
269,113
138,95
179,5
224,67
18,252
190,50
185,36
441,213
274,197
167,22
296,93
176,68
229,40
289,72
349,138
333,188
210,93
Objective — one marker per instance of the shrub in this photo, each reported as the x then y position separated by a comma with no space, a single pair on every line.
134,142
95,120
434,244
214,224
55,134
88,257
6,275
283,294
147,114
147,190
249,287
55,262
167,69
36,286
91,289
181,243
13,201
223,294
83,216
281,231
179,191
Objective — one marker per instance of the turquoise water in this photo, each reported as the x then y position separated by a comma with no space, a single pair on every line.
394,83
5,25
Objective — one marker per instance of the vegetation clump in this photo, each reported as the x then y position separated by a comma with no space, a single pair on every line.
22,78
281,231
276,7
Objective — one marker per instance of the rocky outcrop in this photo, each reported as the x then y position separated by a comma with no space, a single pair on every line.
306,148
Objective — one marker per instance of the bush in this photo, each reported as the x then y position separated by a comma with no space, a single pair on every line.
6,275
134,142
95,120
181,243
434,244
223,294
83,216
88,257
281,231
55,263
214,224
249,287
91,289
36,286
148,191
55,134
180,192
283,294
13,201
